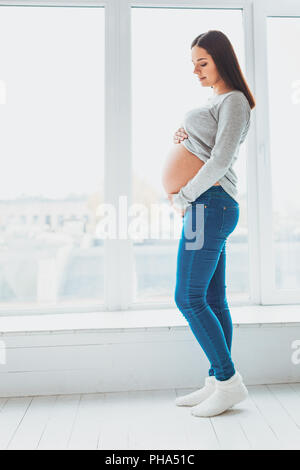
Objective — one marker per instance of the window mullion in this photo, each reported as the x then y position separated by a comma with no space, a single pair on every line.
252,183
118,252
262,153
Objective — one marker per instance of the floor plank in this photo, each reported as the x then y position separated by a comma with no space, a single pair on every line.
289,400
259,434
115,419
201,433
155,422
284,428
235,439
11,415
269,419
86,430
59,427
30,429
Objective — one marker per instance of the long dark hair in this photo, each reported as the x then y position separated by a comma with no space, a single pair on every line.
220,48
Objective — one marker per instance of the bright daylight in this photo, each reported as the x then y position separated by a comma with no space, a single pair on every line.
149,227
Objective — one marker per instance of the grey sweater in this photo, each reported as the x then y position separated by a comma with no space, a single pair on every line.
215,132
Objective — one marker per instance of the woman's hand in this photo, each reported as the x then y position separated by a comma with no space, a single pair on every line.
180,135
181,211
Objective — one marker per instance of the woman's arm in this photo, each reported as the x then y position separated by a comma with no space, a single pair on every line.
234,114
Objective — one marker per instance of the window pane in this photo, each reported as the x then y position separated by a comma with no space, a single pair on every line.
284,112
164,89
52,134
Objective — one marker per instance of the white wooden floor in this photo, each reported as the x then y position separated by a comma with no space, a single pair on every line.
268,419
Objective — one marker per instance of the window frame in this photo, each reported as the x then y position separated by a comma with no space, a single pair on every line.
270,295
118,254
123,88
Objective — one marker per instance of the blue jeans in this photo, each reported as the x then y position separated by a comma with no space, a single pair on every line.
200,292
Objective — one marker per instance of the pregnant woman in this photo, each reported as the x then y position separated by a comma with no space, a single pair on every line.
198,171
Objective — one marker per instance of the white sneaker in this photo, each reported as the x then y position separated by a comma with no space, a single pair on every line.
198,396
227,394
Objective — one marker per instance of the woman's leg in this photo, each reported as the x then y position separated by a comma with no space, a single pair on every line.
217,300
195,269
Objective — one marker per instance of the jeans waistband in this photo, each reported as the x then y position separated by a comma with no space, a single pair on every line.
217,189
217,192
214,191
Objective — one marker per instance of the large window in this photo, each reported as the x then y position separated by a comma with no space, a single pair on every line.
277,77
91,93
163,89
52,154
284,112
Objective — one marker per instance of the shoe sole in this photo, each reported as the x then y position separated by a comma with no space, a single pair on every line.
188,404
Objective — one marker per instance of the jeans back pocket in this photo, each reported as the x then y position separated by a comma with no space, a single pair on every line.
230,218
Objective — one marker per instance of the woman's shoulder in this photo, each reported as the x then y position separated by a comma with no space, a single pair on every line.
233,103
234,97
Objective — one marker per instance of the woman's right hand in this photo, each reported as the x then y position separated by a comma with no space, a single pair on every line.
180,135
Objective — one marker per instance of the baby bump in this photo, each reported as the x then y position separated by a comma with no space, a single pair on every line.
180,166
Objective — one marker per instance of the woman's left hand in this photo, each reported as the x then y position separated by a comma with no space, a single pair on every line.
181,211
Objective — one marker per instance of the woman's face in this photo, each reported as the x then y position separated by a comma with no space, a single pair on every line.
205,67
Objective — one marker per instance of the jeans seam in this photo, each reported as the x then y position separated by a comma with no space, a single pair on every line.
196,320
221,313
222,225
202,323
219,305
221,310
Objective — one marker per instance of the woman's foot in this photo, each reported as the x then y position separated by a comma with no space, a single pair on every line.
227,394
198,396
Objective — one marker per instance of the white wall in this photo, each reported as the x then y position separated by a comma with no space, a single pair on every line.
138,359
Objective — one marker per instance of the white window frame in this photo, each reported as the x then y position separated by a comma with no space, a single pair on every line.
262,10
124,299
119,257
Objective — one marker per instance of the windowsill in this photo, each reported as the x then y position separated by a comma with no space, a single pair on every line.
244,316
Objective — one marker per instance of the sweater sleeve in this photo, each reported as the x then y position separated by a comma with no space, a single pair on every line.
234,114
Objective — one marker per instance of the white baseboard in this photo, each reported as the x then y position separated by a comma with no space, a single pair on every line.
138,359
